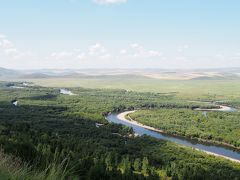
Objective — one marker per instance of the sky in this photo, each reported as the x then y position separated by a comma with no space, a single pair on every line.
76,34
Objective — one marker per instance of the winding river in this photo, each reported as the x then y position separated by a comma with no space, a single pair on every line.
216,150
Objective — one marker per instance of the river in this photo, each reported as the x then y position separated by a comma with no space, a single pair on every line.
217,150
66,92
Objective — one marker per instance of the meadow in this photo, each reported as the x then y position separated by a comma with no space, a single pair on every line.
184,89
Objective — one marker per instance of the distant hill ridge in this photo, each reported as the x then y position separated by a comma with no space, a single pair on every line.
168,74
7,72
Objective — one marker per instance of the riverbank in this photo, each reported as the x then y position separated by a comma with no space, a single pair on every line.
182,136
217,155
192,136
122,117
221,109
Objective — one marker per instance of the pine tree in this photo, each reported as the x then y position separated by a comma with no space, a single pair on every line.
125,165
109,162
137,165
145,166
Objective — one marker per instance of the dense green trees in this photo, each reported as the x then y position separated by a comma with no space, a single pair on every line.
145,166
137,165
59,132
216,126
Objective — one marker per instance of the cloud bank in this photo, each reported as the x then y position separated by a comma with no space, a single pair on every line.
98,51
133,55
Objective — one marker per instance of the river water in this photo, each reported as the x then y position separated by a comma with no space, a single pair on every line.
215,149
66,92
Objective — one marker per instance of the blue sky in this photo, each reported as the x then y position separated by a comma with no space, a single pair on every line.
119,33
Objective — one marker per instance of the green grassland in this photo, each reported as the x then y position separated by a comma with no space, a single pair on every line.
188,89
46,125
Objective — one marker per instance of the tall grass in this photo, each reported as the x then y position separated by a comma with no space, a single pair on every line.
12,168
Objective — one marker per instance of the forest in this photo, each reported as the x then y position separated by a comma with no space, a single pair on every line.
218,127
49,135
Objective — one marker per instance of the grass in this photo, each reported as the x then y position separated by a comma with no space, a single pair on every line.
191,89
12,168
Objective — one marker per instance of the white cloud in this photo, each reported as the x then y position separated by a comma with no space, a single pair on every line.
98,52
235,57
181,58
123,51
2,36
96,49
61,55
109,2
105,56
9,49
81,56
136,46
152,53
180,49
141,52
5,44
98,56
